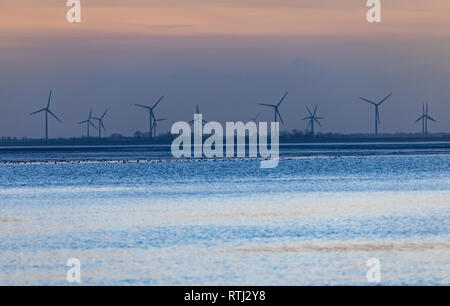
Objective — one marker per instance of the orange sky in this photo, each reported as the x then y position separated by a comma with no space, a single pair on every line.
219,17
219,54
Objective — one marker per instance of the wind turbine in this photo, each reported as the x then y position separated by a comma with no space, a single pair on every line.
312,119
197,112
197,123
100,123
425,117
47,111
155,124
377,112
254,119
275,108
151,113
88,123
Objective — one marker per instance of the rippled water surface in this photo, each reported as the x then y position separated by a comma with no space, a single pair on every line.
313,220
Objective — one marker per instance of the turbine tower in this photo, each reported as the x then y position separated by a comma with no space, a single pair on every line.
275,108
377,112
100,123
155,124
312,119
151,114
197,127
88,123
197,112
425,117
47,111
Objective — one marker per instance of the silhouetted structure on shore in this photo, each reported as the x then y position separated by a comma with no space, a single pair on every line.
377,110
100,123
425,117
47,111
276,111
312,119
151,115
88,123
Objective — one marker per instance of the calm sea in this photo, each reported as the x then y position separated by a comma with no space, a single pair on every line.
314,220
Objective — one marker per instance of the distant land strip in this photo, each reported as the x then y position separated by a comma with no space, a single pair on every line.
166,139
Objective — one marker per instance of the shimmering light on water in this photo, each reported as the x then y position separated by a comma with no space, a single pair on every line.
309,221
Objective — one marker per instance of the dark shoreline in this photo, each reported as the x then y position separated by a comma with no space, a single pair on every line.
162,153
286,138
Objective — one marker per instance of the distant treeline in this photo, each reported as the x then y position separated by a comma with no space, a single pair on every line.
295,136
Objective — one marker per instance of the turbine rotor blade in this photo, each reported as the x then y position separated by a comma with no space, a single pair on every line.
279,115
143,106
282,99
157,102
49,98
388,96
421,118
315,111
270,105
368,101
317,121
309,111
50,112
152,114
41,110
104,114
432,119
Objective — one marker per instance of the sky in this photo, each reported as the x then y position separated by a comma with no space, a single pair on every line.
225,56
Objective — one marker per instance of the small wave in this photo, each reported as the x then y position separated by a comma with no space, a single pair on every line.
10,220
346,247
